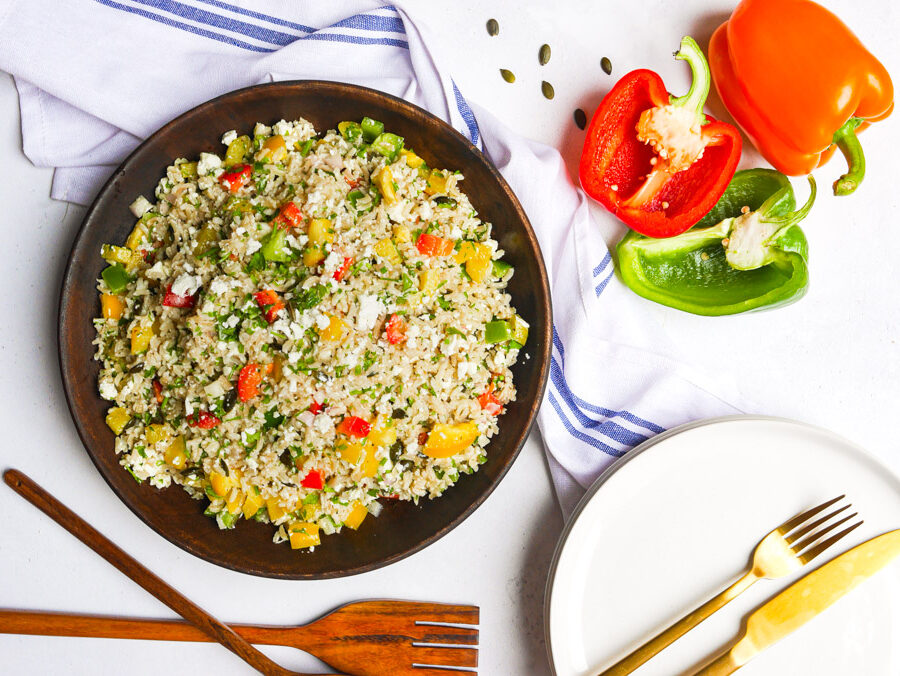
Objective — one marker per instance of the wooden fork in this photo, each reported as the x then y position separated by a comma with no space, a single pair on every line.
363,638
786,549
375,650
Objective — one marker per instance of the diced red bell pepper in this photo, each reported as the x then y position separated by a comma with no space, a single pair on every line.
353,426
432,245
174,300
395,329
316,408
270,303
235,179
351,182
203,419
313,479
157,391
490,403
345,266
249,380
288,217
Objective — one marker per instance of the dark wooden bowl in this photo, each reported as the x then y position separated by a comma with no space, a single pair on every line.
402,528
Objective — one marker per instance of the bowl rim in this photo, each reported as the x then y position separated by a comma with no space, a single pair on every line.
71,277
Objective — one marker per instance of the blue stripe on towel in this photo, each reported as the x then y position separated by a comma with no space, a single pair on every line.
467,115
602,264
593,408
602,285
578,434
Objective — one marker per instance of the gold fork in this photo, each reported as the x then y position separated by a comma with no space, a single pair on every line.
779,553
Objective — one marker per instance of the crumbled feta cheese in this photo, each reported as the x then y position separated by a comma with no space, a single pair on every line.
186,285
369,310
332,262
228,137
322,321
231,321
156,271
253,245
455,232
283,128
140,206
188,407
107,389
323,423
222,284
261,130
208,163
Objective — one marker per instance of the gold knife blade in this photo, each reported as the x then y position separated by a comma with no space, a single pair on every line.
805,599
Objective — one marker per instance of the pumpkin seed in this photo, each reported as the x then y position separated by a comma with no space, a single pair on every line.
507,75
544,54
580,118
606,65
547,89
493,28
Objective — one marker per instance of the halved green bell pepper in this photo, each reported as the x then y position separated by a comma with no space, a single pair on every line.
747,253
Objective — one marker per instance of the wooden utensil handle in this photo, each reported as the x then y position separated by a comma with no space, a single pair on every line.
78,527
97,626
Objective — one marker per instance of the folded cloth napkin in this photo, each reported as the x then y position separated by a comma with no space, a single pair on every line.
97,76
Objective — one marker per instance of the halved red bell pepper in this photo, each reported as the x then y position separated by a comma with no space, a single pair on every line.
656,161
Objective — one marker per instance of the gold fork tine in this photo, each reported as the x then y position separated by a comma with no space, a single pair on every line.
791,524
800,546
822,546
797,534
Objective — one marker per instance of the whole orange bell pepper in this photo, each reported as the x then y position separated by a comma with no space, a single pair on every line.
799,84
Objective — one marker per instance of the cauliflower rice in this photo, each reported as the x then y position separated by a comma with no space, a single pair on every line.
309,325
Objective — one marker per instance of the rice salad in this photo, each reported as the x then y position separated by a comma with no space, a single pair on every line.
305,326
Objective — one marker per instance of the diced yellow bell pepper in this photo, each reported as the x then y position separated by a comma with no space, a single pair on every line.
428,281
335,329
312,256
388,252
320,231
221,484
384,432
519,329
140,338
111,306
235,502
156,433
436,183
351,451
273,149
176,453
303,535
356,516
137,236
308,512
370,462
117,417
276,511
477,258
412,160
384,179
402,233
252,504
120,254
446,440
237,150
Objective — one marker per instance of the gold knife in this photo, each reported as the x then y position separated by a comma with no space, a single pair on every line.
805,599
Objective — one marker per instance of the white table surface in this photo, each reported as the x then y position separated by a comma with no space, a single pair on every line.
833,359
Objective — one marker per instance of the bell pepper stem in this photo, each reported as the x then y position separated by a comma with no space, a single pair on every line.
696,96
846,140
791,219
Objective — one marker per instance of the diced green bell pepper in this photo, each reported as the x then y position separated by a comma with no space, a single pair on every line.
388,145
500,268
498,331
303,147
731,261
116,278
188,169
351,131
275,248
371,129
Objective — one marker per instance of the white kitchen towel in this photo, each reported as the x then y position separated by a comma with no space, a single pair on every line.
97,76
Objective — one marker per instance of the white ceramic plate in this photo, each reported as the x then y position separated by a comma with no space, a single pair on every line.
676,520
